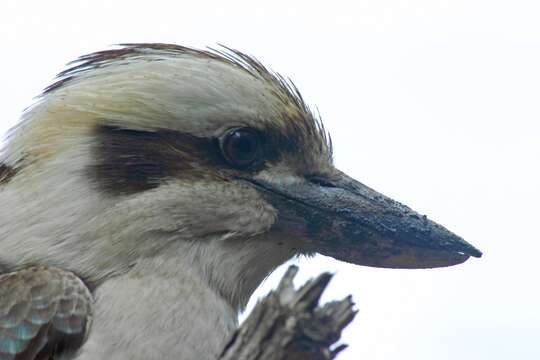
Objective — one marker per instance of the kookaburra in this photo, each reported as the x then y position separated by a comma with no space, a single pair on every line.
152,188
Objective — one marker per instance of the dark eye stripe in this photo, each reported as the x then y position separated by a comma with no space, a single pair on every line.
6,173
129,161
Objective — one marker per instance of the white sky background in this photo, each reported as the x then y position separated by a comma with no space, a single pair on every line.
434,103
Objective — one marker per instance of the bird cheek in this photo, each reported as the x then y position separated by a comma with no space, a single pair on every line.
223,209
252,218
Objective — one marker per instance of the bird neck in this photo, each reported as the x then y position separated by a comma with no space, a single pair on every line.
174,311
179,297
231,268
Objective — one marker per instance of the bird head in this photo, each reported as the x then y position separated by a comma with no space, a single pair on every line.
136,150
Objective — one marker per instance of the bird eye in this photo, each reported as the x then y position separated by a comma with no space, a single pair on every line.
241,147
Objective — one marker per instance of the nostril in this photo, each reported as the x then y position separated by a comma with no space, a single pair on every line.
321,181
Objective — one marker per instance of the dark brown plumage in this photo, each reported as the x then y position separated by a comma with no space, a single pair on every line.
6,173
130,161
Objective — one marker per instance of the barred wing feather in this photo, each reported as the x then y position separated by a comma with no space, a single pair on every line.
44,313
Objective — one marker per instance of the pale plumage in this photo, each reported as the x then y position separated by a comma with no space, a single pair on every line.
173,181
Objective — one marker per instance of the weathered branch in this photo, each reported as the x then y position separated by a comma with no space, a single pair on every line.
289,324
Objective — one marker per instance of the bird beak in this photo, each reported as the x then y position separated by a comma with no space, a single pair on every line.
340,217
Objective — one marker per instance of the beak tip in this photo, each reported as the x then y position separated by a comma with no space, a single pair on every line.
474,252
466,248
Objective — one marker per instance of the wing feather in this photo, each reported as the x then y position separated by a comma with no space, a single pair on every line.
43,312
